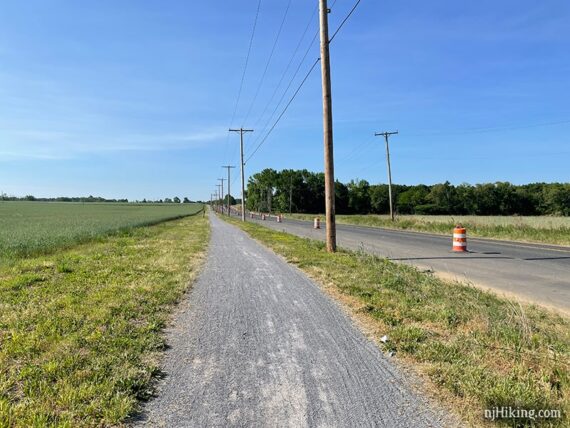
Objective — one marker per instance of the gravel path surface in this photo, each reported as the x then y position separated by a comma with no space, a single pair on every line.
257,343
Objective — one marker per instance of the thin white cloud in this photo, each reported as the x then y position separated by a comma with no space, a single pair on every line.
50,144
11,156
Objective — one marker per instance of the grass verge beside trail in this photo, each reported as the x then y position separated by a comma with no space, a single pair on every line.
81,330
546,230
478,350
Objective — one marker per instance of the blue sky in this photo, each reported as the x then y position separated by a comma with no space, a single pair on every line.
134,98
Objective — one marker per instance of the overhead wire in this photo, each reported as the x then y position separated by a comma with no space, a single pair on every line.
240,90
284,110
282,78
262,80
264,139
355,153
285,72
263,136
485,129
272,115
357,150
344,20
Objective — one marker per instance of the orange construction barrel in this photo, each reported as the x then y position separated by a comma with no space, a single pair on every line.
459,239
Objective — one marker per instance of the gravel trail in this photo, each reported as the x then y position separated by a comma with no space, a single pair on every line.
256,343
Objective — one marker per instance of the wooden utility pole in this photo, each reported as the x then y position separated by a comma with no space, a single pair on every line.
242,166
229,192
222,195
327,128
290,194
218,192
386,135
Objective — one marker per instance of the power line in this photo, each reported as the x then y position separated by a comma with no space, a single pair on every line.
486,129
261,81
287,88
300,85
244,68
284,110
344,20
287,67
356,151
246,60
292,77
368,167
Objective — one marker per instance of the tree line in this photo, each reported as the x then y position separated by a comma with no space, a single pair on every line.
303,191
175,200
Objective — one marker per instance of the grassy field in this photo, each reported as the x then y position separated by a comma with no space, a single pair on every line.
550,230
80,329
32,228
475,350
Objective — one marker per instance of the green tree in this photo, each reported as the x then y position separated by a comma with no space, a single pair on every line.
379,199
232,200
465,195
341,198
557,199
410,199
260,190
359,197
305,192
444,198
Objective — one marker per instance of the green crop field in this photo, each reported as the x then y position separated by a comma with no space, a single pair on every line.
542,229
31,228
81,329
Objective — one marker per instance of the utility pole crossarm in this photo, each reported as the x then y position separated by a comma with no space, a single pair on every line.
385,134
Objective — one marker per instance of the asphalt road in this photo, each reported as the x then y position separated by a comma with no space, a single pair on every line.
532,272
258,344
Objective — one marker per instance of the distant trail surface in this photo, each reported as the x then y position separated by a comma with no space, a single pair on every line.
256,343
533,272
